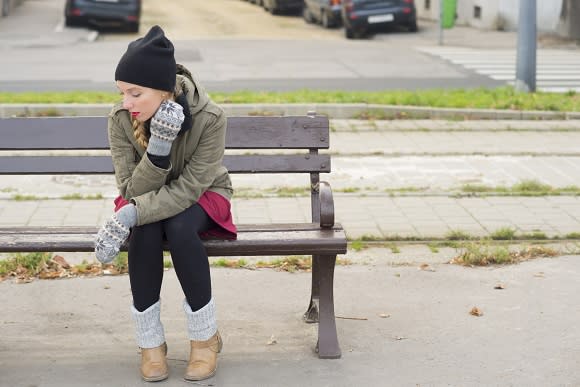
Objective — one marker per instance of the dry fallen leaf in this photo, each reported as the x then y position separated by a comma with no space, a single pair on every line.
426,267
272,340
61,261
540,274
475,311
384,315
499,286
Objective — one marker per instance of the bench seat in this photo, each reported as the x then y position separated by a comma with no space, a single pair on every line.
252,240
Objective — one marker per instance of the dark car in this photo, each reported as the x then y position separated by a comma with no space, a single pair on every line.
362,16
277,6
325,12
103,13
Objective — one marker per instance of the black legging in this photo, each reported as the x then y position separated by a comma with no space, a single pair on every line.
187,253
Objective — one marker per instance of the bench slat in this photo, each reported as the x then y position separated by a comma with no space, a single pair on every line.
281,239
57,165
245,228
61,133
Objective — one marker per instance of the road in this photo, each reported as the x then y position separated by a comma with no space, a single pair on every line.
224,42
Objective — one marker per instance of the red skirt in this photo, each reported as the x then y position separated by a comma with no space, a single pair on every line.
217,207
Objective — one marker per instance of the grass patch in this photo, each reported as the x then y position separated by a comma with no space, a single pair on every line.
30,264
357,245
24,267
347,190
371,238
433,247
476,188
290,264
458,235
523,188
8,189
285,192
405,190
394,248
22,198
479,98
78,196
484,254
503,234
572,235
230,263
531,186
536,235
121,262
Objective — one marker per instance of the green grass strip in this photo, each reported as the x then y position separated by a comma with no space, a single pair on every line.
479,98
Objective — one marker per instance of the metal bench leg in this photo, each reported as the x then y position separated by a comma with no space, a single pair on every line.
311,315
327,346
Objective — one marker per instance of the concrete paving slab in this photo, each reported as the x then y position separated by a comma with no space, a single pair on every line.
413,328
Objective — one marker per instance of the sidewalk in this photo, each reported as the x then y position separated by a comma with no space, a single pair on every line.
392,180
397,325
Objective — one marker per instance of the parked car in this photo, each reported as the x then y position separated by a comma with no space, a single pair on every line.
277,6
325,12
362,16
103,13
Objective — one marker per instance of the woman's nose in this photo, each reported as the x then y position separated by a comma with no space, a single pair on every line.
127,105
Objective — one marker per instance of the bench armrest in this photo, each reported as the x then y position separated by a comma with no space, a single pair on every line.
326,206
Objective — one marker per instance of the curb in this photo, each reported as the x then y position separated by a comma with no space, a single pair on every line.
337,111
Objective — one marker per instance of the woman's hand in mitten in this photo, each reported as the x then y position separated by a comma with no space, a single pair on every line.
165,125
114,233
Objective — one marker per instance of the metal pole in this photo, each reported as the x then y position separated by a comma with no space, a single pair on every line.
441,22
526,54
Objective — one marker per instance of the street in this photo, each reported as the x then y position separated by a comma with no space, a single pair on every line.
227,52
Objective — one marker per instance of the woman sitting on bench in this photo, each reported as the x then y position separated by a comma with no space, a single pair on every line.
167,142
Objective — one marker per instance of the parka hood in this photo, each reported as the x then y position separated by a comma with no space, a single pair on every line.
195,94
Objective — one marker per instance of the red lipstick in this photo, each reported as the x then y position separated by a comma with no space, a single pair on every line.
134,114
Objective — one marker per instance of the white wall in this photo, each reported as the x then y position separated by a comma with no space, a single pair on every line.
496,14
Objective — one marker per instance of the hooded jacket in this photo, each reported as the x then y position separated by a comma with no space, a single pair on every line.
195,159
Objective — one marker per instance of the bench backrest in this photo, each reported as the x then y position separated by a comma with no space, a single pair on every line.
306,135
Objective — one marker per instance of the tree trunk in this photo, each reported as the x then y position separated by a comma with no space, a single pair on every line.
568,25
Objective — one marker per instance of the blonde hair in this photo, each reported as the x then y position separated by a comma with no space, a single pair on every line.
140,133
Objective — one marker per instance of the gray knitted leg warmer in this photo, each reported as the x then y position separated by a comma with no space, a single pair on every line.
148,327
201,324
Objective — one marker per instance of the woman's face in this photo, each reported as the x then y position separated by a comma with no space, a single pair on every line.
142,102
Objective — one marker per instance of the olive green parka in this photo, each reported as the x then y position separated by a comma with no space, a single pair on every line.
196,158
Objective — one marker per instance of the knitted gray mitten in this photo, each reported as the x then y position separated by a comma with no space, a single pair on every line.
114,233
165,126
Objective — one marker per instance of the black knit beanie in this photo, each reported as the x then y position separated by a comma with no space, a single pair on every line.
149,62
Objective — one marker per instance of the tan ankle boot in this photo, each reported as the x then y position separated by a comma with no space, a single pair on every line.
154,363
203,358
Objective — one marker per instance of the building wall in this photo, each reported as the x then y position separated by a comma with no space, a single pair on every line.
494,14
6,6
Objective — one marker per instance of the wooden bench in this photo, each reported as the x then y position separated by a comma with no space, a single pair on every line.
322,238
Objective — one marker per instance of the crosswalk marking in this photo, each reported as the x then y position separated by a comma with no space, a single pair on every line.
556,70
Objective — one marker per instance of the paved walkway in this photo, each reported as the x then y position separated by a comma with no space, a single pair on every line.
392,179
